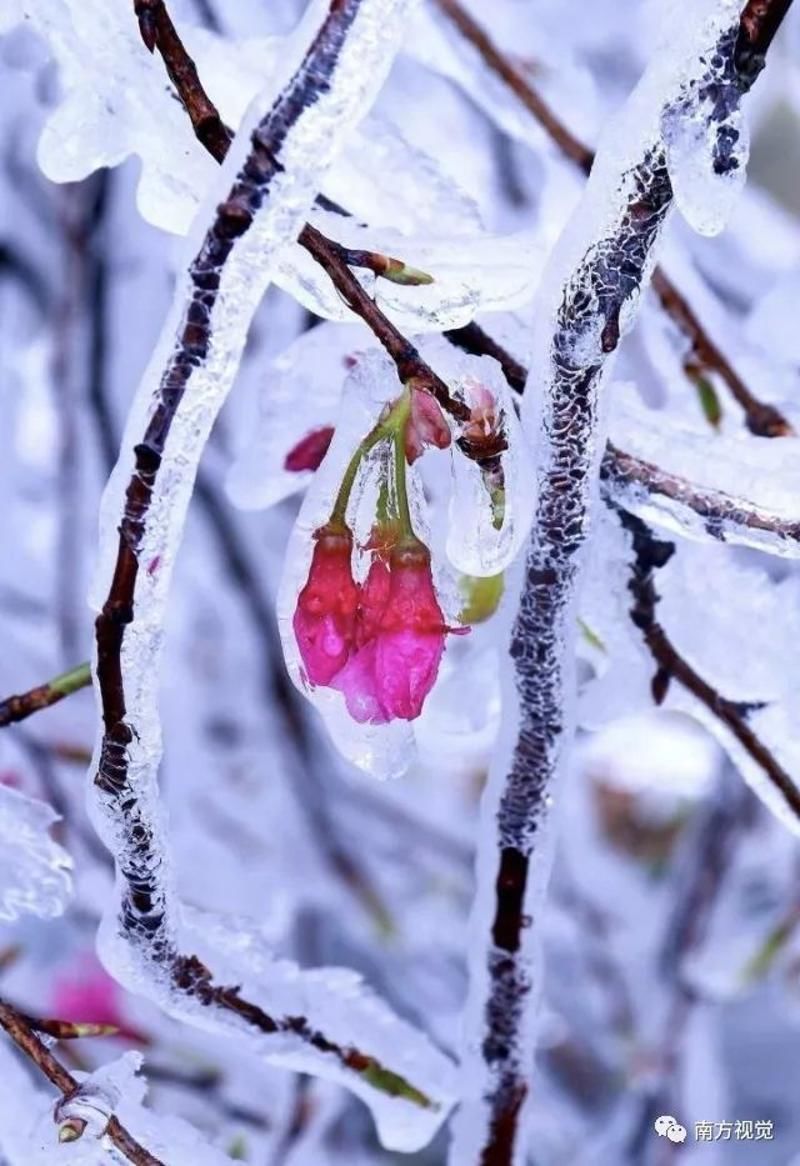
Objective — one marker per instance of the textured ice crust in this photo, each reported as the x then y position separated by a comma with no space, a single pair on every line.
588,298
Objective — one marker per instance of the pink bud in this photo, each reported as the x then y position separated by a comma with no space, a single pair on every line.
400,635
426,426
309,451
324,620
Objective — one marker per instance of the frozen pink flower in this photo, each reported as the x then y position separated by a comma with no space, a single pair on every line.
309,451
400,634
325,616
426,426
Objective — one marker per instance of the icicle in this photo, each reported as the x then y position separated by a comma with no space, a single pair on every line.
705,135
493,499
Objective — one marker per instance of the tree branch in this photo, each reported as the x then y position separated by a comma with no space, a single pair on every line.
650,554
589,283
20,1030
17,708
760,22
153,507
629,481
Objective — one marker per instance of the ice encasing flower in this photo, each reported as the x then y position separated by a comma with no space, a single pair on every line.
325,617
400,635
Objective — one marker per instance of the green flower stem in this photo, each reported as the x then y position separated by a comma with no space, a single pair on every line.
402,409
17,708
391,427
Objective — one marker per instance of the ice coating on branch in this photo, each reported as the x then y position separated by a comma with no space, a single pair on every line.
739,648
115,1089
706,136
34,870
279,178
385,749
741,490
336,1002
470,274
492,502
115,103
588,298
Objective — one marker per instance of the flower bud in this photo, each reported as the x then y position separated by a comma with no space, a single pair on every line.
309,451
324,619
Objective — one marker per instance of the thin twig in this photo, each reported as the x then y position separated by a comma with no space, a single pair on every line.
24,704
724,517
650,554
759,24
407,360
21,1033
158,31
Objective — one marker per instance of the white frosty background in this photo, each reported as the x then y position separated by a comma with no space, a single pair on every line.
86,274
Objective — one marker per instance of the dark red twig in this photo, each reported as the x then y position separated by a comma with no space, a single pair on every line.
144,908
158,32
21,1032
759,23
651,553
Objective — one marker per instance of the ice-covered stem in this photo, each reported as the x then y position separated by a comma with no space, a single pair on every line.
590,293
159,32
21,1032
636,483
24,704
760,21
273,184
651,553
572,348
407,360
